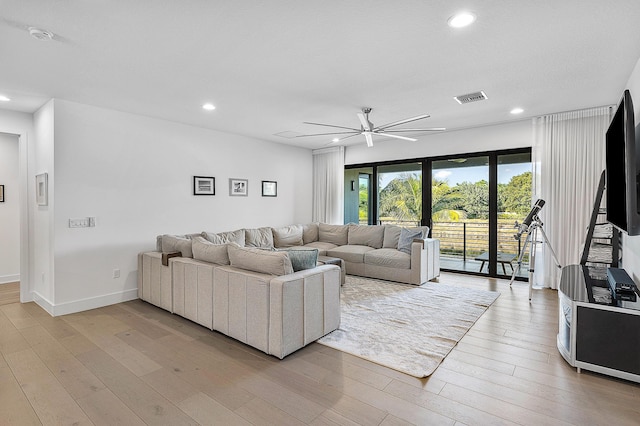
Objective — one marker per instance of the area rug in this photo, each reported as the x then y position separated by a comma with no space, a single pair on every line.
404,327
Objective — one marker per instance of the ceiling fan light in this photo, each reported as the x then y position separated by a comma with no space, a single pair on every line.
461,20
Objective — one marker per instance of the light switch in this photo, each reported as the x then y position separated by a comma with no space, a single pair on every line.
84,222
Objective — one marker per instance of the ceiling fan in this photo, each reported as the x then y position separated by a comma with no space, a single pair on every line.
369,130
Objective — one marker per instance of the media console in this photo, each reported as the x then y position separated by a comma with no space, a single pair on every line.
598,330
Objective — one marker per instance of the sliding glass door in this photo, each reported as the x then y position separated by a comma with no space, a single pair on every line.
400,194
460,212
471,205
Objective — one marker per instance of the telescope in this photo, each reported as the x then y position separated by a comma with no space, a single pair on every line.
526,223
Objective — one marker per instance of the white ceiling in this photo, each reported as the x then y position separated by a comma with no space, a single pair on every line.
270,65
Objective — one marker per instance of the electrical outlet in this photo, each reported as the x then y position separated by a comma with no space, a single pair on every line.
116,273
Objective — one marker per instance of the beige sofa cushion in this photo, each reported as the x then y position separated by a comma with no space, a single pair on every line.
322,247
287,236
334,234
208,252
258,237
173,243
388,257
391,236
257,260
226,237
366,235
309,233
353,254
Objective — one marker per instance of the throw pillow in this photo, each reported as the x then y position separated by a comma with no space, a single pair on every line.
208,252
302,259
225,237
264,261
406,238
334,234
259,237
172,243
287,236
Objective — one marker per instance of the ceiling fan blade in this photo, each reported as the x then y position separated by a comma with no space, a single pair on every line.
406,120
326,134
431,129
331,125
341,139
367,135
365,123
396,136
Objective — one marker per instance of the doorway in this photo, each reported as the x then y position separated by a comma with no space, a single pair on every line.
9,218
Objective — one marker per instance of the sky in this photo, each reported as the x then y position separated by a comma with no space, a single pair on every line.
458,175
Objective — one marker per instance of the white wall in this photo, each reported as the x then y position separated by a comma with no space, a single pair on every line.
42,241
631,245
134,174
9,210
517,134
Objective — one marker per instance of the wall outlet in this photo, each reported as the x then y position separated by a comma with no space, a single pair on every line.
83,222
116,273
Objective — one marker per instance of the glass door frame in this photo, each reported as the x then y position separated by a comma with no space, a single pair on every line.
427,197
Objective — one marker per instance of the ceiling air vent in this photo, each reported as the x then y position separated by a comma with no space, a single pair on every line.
470,97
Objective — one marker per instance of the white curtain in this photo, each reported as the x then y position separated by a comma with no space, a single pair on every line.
568,157
328,185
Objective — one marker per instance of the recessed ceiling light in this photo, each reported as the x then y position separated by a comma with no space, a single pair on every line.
462,19
4,98
208,107
335,140
516,111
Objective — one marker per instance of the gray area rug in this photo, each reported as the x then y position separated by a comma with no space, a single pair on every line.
404,327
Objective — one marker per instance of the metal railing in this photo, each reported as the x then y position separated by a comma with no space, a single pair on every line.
470,238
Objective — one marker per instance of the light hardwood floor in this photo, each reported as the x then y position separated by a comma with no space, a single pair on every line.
133,363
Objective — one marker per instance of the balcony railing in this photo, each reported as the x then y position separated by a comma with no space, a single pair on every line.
468,239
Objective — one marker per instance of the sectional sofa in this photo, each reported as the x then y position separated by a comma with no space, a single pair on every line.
265,287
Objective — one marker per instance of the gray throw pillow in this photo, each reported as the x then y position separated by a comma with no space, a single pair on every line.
302,259
406,238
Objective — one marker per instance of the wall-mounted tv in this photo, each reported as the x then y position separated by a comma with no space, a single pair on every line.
623,164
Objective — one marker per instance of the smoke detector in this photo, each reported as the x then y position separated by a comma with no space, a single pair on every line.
39,34
470,97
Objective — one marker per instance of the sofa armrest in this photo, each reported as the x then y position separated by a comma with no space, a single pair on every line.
425,260
167,256
304,306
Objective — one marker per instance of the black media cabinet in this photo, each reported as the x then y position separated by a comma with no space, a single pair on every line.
597,330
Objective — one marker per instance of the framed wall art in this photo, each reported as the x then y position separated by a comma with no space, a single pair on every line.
269,188
238,187
42,191
204,185
1,193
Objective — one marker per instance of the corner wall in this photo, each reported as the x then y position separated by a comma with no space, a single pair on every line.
134,175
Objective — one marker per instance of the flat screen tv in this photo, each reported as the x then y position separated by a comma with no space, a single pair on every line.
622,162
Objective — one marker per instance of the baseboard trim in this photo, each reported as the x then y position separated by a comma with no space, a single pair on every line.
5,279
85,304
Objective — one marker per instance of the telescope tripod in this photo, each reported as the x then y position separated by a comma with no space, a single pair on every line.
532,240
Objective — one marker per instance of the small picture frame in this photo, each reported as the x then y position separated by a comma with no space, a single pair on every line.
1,193
269,188
238,187
42,191
204,185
